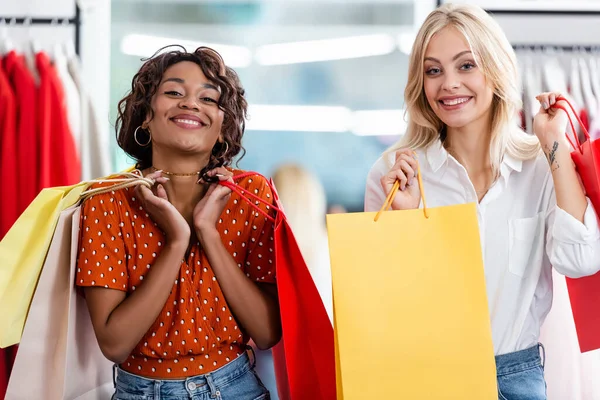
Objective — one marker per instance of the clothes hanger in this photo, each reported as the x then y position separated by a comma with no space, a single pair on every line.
6,45
31,48
590,100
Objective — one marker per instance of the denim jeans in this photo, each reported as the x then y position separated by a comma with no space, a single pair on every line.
234,381
521,375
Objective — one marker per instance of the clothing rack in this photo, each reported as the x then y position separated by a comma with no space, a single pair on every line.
582,13
561,47
52,21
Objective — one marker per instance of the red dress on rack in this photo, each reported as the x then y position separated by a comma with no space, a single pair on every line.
59,161
8,156
28,141
8,202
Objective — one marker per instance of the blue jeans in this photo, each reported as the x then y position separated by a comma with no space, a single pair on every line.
521,375
234,381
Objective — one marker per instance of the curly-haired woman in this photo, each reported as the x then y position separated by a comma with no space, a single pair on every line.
178,278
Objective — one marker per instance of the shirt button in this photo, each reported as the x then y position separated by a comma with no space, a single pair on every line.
191,385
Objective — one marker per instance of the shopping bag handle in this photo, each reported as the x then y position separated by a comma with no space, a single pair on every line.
585,131
246,195
135,178
131,179
392,194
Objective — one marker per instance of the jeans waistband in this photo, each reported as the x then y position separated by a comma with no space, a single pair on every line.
520,360
193,385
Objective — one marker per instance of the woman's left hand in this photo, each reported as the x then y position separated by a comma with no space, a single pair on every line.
550,124
209,209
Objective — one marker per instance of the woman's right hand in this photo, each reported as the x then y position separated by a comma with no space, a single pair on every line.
405,171
157,205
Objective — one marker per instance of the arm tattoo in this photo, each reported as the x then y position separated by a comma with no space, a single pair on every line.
552,157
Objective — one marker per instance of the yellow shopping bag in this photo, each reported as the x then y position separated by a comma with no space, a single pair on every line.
23,251
410,307
22,254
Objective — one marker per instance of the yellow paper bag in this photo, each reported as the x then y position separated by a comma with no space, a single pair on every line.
22,254
410,306
23,251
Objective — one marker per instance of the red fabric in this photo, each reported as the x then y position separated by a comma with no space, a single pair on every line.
308,339
8,202
585,119
584,293
24,88
8,156
58,154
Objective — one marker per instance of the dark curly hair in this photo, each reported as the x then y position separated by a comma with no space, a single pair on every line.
135,106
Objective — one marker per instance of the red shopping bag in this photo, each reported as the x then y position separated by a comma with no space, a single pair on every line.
584,293
305,359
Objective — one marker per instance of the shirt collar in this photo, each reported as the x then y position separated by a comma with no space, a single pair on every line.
437,155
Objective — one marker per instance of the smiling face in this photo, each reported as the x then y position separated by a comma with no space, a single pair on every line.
455,87
186,117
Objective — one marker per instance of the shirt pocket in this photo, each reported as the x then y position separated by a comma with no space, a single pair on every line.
526,244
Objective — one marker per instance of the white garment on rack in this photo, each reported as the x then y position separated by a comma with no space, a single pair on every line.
575,82
595,76
71,95
590,100
532,86
95,147
553,75
569,374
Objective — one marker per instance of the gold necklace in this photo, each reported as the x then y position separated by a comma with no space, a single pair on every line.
154,169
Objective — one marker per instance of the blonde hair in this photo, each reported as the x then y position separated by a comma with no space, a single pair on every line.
496,59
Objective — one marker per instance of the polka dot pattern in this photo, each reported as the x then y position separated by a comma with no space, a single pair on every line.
196,331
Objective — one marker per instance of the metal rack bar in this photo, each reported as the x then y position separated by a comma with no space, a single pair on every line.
58,21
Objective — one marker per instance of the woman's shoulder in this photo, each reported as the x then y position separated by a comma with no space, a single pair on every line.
110,192
253,182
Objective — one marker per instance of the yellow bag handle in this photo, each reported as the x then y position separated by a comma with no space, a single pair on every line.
392,195
131,179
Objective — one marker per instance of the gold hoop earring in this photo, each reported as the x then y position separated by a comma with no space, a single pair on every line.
135,133
226,150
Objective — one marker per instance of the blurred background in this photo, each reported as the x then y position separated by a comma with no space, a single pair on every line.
324,78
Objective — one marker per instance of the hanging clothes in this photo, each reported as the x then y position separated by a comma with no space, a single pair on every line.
94,163
71,94
27,170
8,202
8,156
569,373
60,164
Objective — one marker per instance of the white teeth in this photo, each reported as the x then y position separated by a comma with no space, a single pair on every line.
187,121
454,102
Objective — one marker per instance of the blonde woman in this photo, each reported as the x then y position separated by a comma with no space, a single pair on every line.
461,101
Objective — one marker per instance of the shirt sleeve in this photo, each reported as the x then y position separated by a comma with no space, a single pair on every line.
374,194
260,259
101,259
573,247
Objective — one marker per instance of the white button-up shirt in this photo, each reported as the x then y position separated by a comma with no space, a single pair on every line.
523,234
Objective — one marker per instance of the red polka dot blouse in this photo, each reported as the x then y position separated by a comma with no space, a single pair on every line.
195,332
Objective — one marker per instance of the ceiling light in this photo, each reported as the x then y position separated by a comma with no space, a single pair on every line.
378,123
325,50
298,118
146,46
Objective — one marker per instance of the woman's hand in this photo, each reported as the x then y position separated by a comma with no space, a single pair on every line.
209,209
157,205
404,171
550,124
